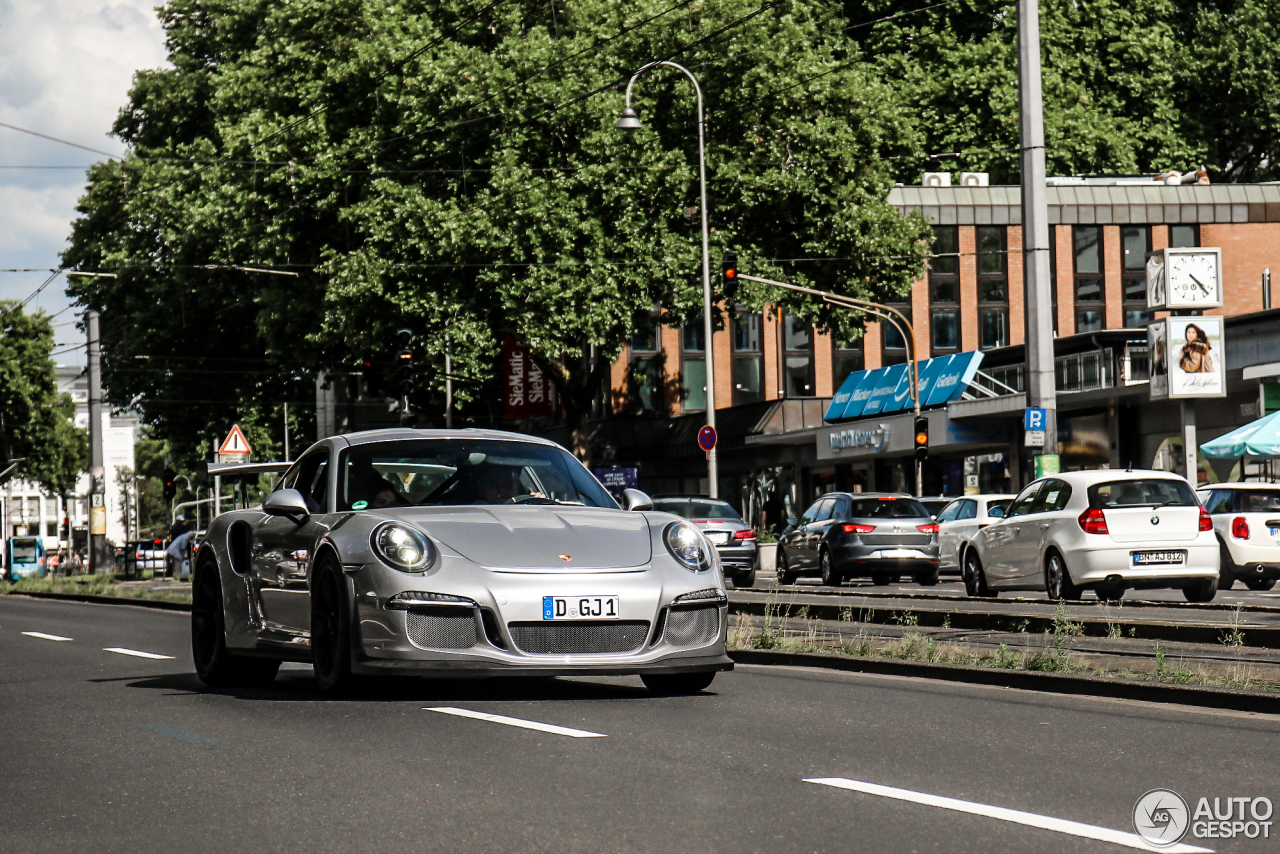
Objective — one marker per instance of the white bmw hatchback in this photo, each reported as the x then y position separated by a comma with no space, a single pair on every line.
1104,530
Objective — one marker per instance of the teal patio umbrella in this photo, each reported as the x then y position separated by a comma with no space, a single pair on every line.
1257,440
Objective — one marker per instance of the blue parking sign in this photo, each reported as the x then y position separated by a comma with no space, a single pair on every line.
1033,419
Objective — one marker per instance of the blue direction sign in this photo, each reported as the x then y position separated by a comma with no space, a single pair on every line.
706,438
1033,418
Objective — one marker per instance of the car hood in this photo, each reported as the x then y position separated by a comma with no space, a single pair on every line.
538,536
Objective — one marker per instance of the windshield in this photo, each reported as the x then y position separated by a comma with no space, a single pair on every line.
1257,500
24,551
437,472
1142,493
888,508
697,508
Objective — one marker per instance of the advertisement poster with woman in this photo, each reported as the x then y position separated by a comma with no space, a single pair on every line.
1187,358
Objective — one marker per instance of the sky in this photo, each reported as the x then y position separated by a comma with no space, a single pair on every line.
65,71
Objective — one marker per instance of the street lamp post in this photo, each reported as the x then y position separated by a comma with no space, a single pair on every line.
627,120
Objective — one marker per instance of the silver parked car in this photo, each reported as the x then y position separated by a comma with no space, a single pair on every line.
1104,530
861,535
960,520
734,539
453,553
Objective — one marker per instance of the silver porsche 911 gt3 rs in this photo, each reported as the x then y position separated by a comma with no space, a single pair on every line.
453,553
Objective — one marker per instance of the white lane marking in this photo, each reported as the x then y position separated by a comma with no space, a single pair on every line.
43,636
1044,822
502,719
135,653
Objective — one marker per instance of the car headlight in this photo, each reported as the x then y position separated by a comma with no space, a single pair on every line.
401,547
687,546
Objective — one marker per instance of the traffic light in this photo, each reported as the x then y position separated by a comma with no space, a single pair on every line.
170,484
730,268
405,362
922,438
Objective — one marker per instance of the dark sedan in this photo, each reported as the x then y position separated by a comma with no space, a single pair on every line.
734,539
861,535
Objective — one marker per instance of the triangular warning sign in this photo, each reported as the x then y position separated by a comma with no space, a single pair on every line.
235,443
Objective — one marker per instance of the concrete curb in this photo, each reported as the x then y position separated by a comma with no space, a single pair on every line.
1056,683
157,604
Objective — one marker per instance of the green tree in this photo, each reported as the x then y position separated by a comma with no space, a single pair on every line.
453,169
36,421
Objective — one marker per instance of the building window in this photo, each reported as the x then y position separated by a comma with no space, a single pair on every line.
1090,301
1135,241
748,358
693,364
893,346
1184,236
797,356
944,290
846,357
993,286
644,387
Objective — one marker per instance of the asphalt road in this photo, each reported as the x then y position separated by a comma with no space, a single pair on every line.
953,587
105,751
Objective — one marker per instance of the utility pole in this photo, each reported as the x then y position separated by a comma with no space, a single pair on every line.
286,431
1041,390
99,560
448,391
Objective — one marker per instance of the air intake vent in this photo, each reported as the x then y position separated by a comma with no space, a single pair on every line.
441,628
693,626
579,638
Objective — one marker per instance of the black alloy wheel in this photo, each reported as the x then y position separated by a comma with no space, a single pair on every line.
929,578
330,629
830,577
973,570
785,575
1057,581
215,666
1260,584
1226,567
677,684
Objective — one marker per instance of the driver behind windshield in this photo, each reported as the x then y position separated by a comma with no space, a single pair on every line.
499,485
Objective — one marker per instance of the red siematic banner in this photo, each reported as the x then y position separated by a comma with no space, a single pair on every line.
528,394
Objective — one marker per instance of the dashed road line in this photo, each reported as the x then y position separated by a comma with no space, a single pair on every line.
1044,822
516,722
43,636
135,652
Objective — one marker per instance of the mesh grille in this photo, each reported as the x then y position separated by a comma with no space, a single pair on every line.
693,626
434,630
579,638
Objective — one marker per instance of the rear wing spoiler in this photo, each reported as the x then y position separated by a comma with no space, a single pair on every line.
239,470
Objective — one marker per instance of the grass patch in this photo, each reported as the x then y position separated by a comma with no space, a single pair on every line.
104,584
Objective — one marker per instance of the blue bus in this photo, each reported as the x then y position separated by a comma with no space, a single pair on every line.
24,558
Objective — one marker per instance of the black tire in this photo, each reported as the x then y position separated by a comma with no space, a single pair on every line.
676,684
1201,591
1057,580
879,579
1227,567
785,576
929,578
1110,594
215,666
826,568
743,580
1260,583
975,580
330,629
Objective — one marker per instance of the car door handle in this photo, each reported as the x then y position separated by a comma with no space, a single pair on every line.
1044,524
1016,530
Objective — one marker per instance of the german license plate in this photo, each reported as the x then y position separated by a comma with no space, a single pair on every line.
718,538
1147,558
1275,532
580,607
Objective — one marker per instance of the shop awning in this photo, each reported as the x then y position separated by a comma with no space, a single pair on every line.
1257,440
885,390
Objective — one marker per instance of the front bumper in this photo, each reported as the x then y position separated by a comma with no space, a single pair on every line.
482,638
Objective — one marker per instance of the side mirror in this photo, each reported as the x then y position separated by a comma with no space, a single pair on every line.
288,503
634,499
995,512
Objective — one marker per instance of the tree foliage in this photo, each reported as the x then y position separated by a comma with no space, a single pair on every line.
453,169
37,422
